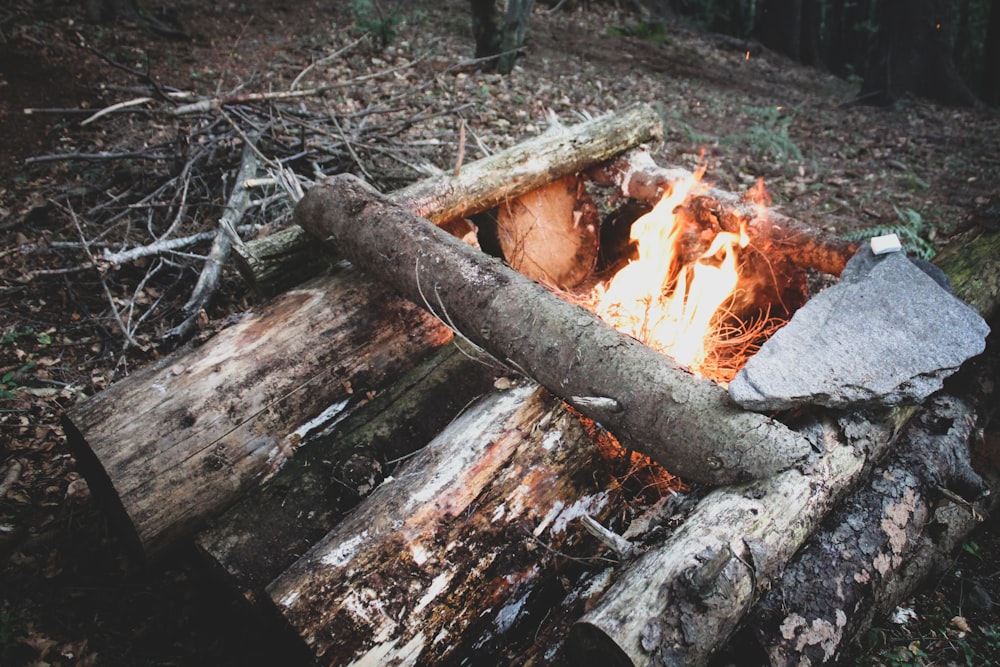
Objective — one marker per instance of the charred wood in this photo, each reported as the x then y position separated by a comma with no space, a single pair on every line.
778,236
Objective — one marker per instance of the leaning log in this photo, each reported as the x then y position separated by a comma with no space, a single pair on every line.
647,400
179,440
283,259
469,544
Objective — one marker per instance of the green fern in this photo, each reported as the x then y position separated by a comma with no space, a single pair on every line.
909,230
770,137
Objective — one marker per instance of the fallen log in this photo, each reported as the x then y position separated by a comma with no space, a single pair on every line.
179,440
902,525
912,514
278,261
274,524
647,400
463,548
682,600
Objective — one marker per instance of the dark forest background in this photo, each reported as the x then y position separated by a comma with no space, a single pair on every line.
944,50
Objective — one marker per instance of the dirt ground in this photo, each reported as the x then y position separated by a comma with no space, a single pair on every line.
68,593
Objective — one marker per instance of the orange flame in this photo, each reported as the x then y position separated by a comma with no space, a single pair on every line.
669,306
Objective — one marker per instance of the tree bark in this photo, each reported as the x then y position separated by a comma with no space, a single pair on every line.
647,400
499,27
458,554
681,601
913,512
272,525
891,535
179,440
276,262
913,54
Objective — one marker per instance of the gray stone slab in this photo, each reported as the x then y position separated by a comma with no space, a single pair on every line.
888,333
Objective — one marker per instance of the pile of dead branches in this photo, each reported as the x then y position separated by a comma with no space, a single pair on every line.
158,203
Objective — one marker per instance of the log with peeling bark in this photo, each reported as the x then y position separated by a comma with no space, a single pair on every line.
276,262
272,525
679,602
461,552
905,522
646,399
178,441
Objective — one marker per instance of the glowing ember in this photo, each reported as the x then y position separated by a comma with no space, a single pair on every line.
668,304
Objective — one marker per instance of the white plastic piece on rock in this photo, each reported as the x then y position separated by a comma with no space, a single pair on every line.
882,245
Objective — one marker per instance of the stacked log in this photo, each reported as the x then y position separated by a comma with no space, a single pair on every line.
170,447
483,542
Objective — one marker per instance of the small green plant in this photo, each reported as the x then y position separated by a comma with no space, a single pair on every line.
770,136
372,19
910,230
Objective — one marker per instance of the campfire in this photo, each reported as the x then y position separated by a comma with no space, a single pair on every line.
686,292
507,492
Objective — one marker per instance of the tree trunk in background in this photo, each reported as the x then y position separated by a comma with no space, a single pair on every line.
913,53
791,27
778,24
847,36
499,27
991,58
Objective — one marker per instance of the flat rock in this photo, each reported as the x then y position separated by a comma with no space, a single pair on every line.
888,333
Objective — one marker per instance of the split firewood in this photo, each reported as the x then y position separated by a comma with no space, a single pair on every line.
551,234
275,262
646,399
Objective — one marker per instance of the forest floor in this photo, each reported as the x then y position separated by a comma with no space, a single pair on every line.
68,593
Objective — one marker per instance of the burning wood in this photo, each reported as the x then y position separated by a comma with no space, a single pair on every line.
649,402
